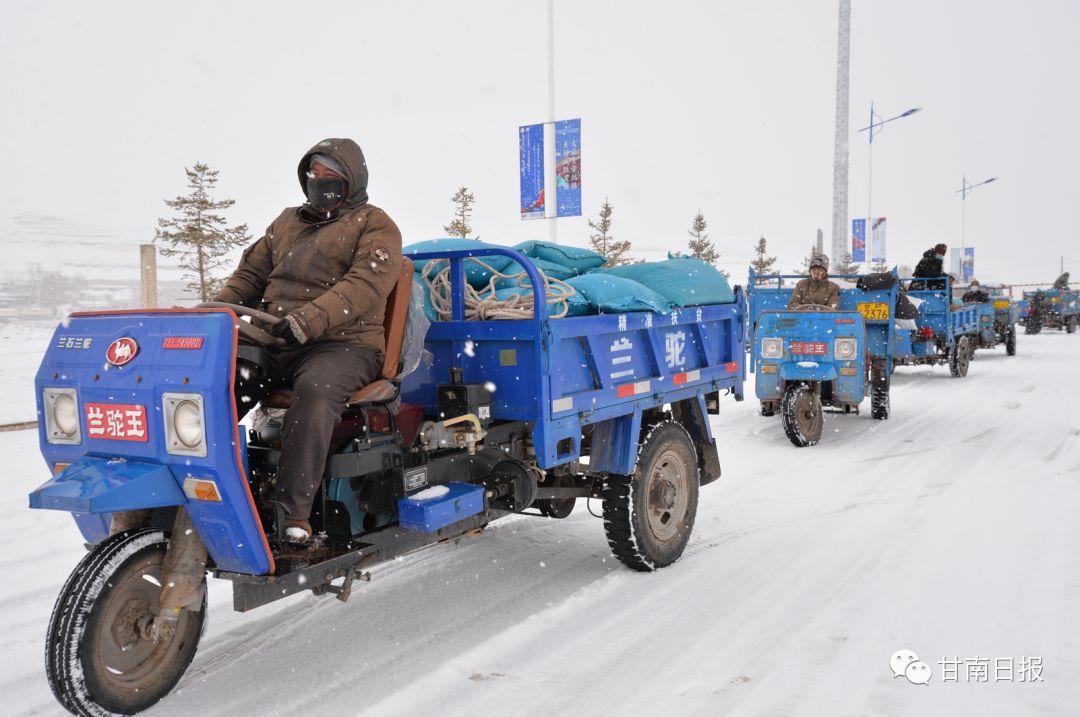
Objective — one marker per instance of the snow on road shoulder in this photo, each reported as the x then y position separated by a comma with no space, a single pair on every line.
22,344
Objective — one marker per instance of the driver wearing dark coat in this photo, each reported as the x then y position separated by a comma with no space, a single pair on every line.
326,268
817,289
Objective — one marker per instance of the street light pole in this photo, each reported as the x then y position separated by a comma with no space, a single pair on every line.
870,178
876,122
964,191
550,172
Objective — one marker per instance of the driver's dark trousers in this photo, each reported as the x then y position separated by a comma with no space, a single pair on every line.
322,375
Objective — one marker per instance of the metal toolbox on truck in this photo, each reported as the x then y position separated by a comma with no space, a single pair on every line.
459,501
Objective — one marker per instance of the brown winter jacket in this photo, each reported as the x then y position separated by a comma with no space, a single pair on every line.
332,272
808,291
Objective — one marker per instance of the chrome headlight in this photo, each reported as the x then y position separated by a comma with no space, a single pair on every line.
185,425
62,415
772,348
844,349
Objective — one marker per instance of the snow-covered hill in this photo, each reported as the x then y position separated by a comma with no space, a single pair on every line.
949,530
60,243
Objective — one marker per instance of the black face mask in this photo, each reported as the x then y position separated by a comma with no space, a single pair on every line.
325,192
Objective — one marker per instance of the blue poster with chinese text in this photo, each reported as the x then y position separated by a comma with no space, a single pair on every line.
858,241
531,148
568,168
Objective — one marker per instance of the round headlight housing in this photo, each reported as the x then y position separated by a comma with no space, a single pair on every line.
65,415
188,424
845,348
772,348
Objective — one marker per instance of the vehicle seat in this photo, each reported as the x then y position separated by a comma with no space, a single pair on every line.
385,387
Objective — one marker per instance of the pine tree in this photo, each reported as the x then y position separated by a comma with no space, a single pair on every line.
804,268
463,201
761,263
603,243
198,234
880,266
845,266
700,245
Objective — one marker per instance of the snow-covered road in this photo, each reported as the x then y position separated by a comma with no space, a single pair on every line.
949,530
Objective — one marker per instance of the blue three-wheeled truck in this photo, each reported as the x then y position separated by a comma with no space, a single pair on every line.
139,430
813,357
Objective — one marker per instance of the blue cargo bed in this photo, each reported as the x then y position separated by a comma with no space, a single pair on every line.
560,375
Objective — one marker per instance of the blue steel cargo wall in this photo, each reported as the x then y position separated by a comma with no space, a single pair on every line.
938,314
562,374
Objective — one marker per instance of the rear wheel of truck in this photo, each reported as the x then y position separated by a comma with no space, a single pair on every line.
1070,326
803,418
649,515
960,357
100,655
879,403
879,391
1010,342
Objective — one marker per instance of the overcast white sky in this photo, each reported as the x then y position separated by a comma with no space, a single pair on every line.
720,106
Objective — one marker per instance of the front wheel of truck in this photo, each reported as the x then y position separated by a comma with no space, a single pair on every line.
803,418
960,357
1010,342
648,516
102,653
879,390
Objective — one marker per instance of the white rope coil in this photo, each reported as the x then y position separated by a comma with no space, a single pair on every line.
482,304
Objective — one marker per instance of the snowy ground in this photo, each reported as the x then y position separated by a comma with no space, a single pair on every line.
949,530
22,344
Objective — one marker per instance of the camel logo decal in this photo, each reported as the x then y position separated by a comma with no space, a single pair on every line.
122,351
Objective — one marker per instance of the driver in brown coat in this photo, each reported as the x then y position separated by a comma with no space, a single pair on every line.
326,268
817,289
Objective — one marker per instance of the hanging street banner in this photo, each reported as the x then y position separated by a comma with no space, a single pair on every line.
969,264
531,150
966,270
568,168
877,240
858,241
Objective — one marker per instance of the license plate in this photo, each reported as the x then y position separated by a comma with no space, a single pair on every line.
116,421
803,348
874,311
1001,304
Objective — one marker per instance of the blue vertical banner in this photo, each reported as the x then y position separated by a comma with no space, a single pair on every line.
877,240
858,241
969,264
568,168
531,152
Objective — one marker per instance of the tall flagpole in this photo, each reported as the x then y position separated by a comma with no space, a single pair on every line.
840,231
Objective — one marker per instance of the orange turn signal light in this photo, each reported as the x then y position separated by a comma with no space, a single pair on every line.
201,489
